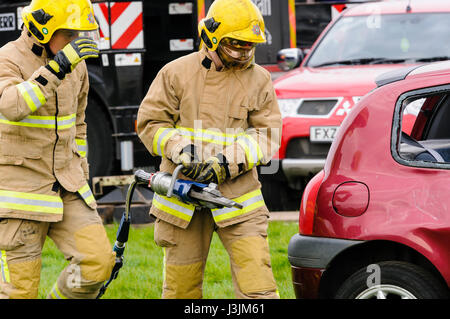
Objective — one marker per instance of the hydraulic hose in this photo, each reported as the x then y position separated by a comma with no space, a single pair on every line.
121,239
141,177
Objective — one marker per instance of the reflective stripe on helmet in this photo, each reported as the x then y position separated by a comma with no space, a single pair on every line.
31,202
32,95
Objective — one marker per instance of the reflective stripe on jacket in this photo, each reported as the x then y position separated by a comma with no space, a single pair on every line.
173,206
42,133
253,152
4,270
221,112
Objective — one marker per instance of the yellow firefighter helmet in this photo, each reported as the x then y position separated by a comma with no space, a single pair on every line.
43,17
236,19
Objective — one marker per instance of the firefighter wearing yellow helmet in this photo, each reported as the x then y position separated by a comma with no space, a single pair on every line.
43,165
232,29
216,113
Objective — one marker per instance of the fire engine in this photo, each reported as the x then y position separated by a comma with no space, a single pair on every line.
137,38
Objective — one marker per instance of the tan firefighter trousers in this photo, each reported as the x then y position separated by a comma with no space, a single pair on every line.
186,251
80,236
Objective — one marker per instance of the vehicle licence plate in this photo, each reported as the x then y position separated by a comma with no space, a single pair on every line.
322,133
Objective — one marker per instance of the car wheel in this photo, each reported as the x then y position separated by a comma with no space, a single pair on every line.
99,140
397,280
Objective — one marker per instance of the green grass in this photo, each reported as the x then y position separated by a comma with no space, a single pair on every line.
142,273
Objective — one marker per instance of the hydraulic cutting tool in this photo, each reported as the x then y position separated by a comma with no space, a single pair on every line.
198,194
165,184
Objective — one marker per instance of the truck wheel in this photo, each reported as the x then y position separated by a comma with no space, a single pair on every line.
397,280
272,195
278,196
99,140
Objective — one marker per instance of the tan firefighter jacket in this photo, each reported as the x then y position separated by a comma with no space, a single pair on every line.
42,133
231,112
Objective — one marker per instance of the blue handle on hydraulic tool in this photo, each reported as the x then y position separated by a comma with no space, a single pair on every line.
122,236
181,189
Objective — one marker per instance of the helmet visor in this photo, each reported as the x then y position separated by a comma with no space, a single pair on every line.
93,35
236,53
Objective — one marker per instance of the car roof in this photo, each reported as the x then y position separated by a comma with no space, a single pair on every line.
427,69
398,7
432,69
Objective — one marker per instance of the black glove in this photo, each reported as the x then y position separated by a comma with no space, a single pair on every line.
188,157
215,170
73,53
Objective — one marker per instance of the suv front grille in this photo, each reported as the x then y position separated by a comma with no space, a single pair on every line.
316,107
301,147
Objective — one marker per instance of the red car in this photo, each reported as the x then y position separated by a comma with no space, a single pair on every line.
375,222
365,41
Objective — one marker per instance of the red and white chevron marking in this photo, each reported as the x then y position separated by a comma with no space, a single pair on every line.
121,24
101,11
126,25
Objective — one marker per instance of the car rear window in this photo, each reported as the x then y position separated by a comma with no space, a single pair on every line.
421,133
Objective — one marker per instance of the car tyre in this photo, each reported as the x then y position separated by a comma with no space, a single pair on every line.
397,280
99,140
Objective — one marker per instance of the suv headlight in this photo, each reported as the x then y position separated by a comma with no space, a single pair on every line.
289,107
307,107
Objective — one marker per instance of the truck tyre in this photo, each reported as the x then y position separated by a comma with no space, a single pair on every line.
274,195
99,140
278,196
397,280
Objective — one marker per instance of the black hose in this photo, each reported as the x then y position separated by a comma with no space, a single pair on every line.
121,239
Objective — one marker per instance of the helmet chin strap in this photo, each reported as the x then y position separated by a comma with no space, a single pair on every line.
216,59
49,51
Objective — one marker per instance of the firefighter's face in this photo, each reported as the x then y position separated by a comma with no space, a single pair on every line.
61,38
